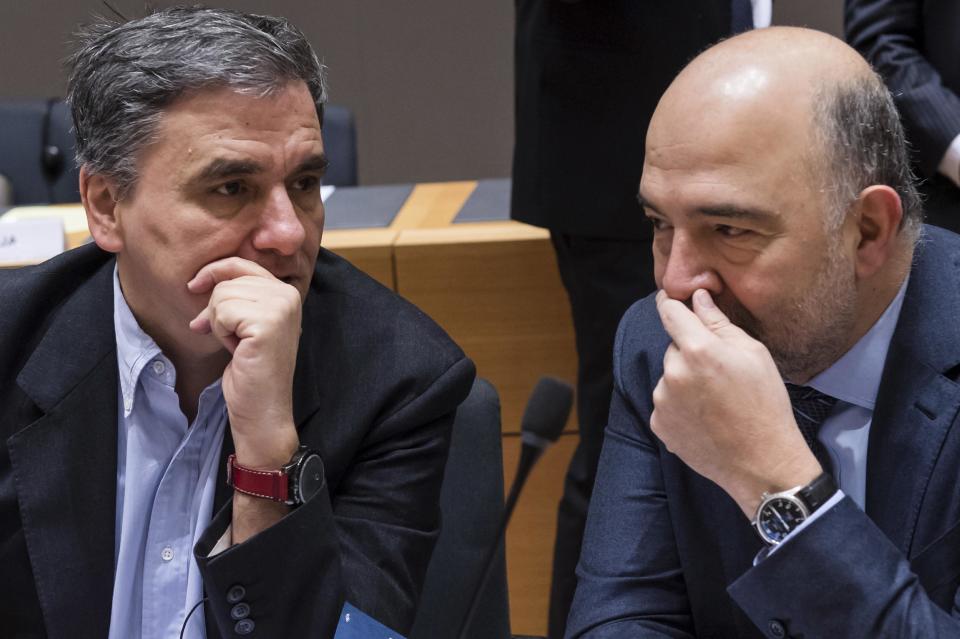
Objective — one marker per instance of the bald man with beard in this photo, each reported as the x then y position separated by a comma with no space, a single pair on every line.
782,453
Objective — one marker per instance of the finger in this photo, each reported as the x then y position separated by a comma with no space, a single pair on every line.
231,321
201,323
682,324
251,289
710,314
222,270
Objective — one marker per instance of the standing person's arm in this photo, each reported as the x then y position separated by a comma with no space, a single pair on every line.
889,34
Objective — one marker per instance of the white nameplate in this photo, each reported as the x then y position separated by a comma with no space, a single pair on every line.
33,240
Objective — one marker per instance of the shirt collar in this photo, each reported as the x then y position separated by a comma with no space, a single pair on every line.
135,348
855,377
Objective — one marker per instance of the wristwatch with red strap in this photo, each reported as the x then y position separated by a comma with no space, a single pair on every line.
297,481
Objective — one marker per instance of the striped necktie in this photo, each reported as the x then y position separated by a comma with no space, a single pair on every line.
811,407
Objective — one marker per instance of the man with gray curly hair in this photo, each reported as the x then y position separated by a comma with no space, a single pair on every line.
203,410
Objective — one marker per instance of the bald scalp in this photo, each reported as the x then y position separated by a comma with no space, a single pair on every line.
780,82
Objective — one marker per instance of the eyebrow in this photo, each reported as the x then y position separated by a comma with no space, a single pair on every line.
734,212
220,168
315,163
728,211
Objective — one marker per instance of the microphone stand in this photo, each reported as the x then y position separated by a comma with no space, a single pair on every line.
529,454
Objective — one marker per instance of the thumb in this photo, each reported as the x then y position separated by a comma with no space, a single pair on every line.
711,315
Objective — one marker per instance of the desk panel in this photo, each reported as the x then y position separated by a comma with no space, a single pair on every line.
495,288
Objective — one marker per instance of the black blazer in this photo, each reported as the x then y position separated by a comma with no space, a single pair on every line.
915,46
668,553
376,387
588,77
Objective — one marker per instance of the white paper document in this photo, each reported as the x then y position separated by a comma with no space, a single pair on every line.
32,240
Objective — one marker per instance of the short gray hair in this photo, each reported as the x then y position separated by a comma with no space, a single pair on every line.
864,143
124,74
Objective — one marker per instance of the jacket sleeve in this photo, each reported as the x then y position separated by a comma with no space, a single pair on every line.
630,582
846,570
889,34
369,543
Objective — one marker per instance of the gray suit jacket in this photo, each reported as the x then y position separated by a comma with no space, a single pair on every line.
668,554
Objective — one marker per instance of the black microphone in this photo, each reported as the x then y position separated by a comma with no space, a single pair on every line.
543,420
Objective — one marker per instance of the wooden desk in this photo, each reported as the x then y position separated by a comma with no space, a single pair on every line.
495,288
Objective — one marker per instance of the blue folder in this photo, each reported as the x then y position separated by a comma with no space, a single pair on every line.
356,625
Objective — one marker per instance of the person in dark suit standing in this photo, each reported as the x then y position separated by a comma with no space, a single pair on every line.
915,45
784,436
588,76
203,411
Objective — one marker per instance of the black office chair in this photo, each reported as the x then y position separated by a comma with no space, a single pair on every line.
37,150
340,145
472,504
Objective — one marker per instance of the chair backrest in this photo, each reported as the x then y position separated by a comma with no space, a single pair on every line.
37,148
340,145
472,504
37,151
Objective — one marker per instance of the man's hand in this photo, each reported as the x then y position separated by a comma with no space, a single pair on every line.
257,318
721,406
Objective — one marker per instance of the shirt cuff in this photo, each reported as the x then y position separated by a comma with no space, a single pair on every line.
827,505
950,164
226,540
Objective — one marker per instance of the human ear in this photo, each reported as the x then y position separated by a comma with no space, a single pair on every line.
99,197
877,212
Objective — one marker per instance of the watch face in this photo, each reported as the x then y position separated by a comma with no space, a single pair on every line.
311,477
778,518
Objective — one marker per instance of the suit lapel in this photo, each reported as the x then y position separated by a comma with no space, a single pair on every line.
64,464
916,403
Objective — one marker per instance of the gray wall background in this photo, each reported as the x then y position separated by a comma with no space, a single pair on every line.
429,81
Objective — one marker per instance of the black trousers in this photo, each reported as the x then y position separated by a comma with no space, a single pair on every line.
603,277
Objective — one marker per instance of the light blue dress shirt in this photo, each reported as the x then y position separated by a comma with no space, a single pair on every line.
166,474
854,380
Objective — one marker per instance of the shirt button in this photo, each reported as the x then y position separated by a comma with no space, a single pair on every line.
776,629
244,627
240,611
166,554
236,593
158,367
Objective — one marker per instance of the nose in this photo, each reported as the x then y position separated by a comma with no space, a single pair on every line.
683,267
280,229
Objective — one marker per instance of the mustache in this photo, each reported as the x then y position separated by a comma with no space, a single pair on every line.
736,312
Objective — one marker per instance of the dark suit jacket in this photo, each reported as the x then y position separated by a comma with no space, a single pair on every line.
668,554
915,45
376,387
588,76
